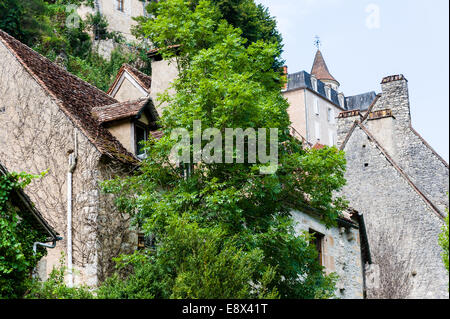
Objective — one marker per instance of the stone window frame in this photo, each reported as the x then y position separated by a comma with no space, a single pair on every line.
146,128
319,242
330,115
120,5
316,106
314,83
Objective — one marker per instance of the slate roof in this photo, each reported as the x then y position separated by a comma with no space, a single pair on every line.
302,80
360,102
144,80
75,97
320,69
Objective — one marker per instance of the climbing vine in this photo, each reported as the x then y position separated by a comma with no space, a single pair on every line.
17,236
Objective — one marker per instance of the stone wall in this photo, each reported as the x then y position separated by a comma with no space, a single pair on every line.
35,136
402,228
341,254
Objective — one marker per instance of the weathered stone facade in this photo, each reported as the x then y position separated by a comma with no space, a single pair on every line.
341,253
36,135
400,184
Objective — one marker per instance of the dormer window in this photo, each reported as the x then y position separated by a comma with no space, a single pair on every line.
141,136
314,83
120,5
328,91
341,100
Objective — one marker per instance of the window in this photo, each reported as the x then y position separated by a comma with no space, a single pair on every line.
331,137
314,83
120,5
341,100
330,115
316,106
317,239
145,242
141,135
328,90
317,129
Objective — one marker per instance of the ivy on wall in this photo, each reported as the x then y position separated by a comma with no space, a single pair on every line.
17,235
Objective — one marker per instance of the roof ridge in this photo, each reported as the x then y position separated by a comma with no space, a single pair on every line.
401,171
116,149
429,146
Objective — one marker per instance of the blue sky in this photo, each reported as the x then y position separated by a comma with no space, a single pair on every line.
360,46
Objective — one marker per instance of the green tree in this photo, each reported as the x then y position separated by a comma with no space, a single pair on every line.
17,235
253,19
23,19
226,83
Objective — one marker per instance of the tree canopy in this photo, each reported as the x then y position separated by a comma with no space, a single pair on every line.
224,214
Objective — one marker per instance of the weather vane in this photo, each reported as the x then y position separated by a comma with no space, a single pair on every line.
317,42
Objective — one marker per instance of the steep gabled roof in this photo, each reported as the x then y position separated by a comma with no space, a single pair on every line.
28,209
119,111
74,96
142,79
320,69
402,173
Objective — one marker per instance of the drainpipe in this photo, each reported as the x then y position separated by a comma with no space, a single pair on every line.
53,245
306,116
72,165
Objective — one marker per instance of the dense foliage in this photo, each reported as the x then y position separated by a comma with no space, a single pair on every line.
55,287
224,213
54,29
253,19
17,235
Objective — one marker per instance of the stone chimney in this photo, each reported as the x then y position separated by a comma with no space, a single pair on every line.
345,121
395,97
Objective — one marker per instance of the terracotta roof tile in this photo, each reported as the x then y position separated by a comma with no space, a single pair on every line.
74,96
320,69
144,80
119,111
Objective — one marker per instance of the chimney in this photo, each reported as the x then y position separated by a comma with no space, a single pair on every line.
285,74
396,97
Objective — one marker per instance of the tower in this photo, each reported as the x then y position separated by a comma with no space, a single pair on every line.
320,71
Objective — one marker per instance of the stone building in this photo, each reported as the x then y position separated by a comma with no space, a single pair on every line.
343,250
27,211
401,184
315,102
119,14
52,120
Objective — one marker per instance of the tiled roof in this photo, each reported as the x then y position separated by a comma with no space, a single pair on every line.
119,111
28,208
144,80
318,146
75,97
320,69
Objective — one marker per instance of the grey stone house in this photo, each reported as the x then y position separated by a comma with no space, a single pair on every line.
401,185
50,120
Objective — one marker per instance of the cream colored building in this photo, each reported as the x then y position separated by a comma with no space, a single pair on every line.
315,102
119,14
